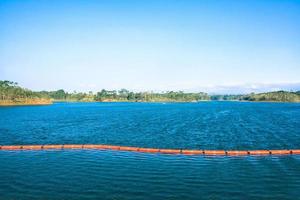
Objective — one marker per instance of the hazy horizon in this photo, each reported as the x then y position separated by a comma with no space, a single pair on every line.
216,47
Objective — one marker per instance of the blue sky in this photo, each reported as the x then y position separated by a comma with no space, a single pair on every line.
213,46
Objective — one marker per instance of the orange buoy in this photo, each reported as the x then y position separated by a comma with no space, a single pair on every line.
191,152
237,153
92,146
259,152
112,147
124,148
148,150
170,151
73,146
280,152
53,146
32,147
295,151
214,152
100,146
11,147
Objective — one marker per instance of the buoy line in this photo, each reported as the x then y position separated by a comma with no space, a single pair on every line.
152,150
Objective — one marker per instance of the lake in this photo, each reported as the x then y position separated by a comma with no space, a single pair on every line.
90,174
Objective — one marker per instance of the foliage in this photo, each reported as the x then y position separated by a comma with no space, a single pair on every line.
10,91
281,96
125,95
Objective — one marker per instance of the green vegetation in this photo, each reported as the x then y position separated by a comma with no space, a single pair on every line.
227,97
61,95
12,94
281,96
125,95
10,91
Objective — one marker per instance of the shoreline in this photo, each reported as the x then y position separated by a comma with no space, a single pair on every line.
41,103
31,102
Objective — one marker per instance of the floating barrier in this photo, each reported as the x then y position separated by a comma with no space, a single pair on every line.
151,150
148,150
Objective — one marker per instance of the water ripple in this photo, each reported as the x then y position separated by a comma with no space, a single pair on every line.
96,174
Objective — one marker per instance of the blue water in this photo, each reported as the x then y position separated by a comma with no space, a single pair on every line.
91,174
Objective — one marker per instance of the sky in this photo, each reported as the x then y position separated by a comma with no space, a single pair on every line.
214,46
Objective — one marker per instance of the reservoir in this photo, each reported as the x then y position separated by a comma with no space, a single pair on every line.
106,174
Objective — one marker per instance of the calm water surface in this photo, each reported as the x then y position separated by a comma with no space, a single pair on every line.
90,174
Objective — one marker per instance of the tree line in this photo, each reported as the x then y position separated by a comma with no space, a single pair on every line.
125,95
11,91
280,96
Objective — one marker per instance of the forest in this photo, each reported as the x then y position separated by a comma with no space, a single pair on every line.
11,92
280,96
